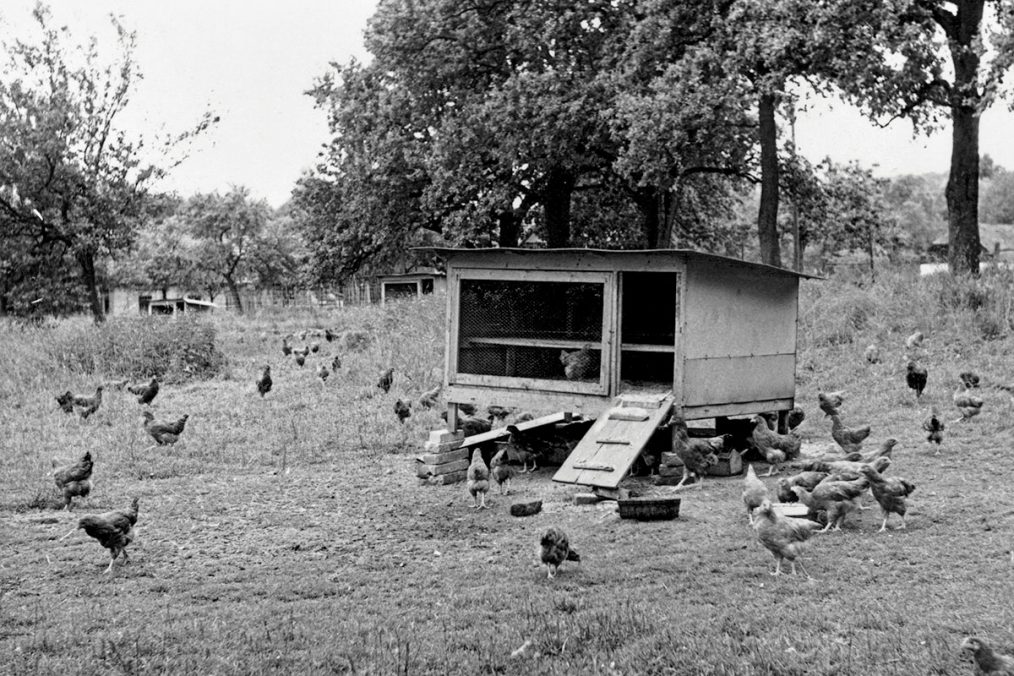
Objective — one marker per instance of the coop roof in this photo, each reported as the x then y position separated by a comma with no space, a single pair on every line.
619,255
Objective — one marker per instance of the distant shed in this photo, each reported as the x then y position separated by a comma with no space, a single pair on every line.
410,285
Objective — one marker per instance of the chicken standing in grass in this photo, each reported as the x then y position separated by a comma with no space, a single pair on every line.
477,479
988,662
164,434
935,426
501,472
286,348
74,480
85,406
554,549
890,494
264,383
849,438
916,377
430,398
114,530
323,374
872,354
782,536
837,498
970,379
386,380
754,492
697,455
776,448
336,363
403,410
66,401
145,393
967,403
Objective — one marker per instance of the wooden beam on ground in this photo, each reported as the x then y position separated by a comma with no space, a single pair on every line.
502,433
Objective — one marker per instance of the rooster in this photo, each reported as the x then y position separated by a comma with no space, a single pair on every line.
850,439
386,380
554,549
697,455
935,426
403,410
145,393
916,377
889,493
754,492
74,480
477,479
85,406
164,434
988,662
837,498
782,536
430,398
501,472
264,383
114,530
830,402
967,403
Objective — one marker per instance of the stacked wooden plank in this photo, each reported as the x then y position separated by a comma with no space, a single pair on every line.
444,460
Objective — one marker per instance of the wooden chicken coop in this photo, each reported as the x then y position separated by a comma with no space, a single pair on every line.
590,331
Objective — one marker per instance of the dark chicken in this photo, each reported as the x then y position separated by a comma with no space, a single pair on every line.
114,530
74,480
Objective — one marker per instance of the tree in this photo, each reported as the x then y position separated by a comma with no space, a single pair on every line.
227,233
941,56
76,184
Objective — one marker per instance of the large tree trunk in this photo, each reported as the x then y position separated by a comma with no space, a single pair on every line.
556,201
234,293
509,227
87,262
646,200
767,217
963,180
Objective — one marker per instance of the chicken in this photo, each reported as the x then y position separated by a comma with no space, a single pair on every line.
872,354
336,363
315,348
525,447
776,448
850,439
386,380
754,492
968,404
145,393
844,470
114,530
66,401
914,341
499,413
885,450
837,498
795,417
554,549
916,377
303,352
889,493
323,374
164,433
807,480
329,335
830,402
969,379
935,426
988,662
403,410
264,383
74,480
697,455
501,472
477,479
286,348
578,364
782,536
472,426
85,406
430,398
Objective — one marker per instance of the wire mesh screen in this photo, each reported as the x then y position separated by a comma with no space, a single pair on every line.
525,329
400,291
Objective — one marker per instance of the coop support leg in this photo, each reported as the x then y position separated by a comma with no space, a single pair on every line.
452,417
783,422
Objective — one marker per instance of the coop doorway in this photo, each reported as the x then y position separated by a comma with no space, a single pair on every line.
649,307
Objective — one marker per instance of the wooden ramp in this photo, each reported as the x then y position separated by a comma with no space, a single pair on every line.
604,456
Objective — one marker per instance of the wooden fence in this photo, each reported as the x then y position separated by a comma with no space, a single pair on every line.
357,292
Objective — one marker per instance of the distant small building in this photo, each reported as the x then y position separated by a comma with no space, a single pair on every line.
996,246
123,302
410,284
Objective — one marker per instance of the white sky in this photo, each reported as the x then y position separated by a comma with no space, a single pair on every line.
249,61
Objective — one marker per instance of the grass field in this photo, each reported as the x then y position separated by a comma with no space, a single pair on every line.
289,534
